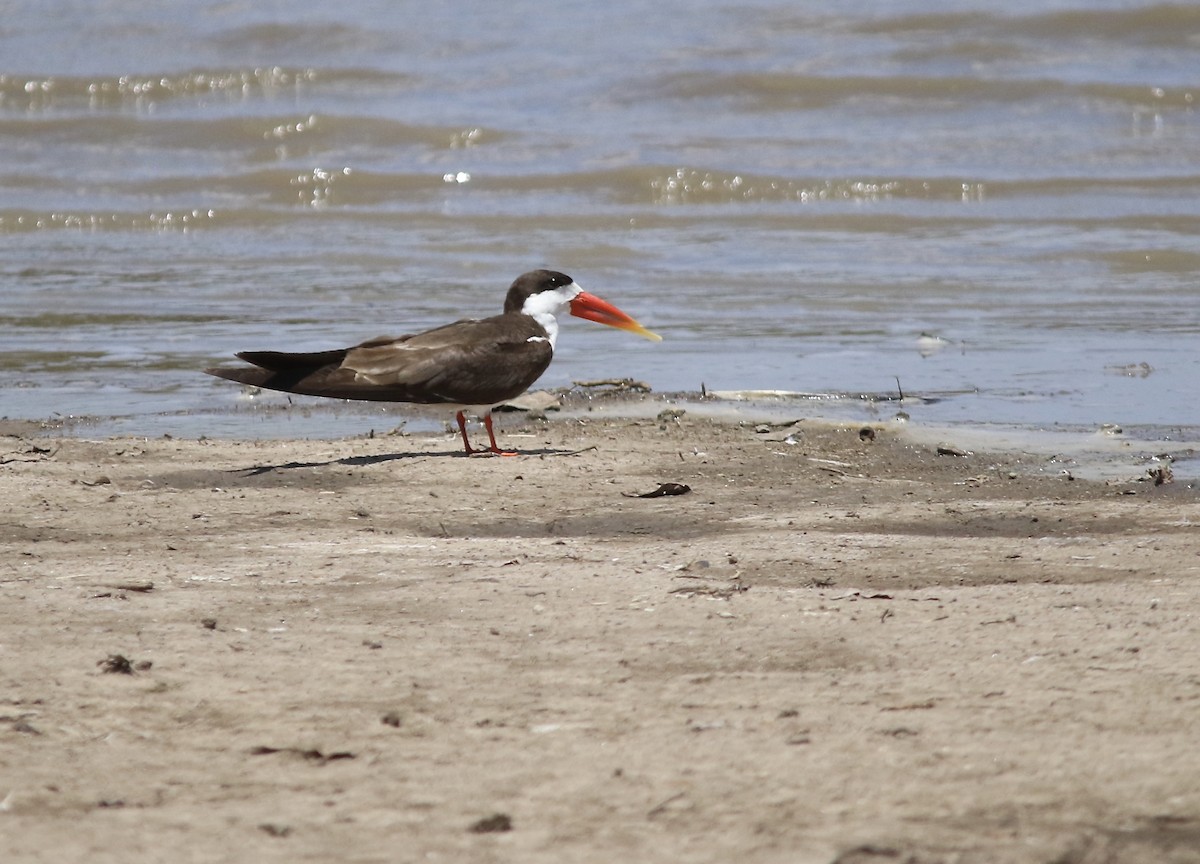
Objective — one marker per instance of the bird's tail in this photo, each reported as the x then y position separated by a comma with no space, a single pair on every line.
278,370
283,361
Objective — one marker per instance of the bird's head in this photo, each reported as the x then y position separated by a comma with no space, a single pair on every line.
545,292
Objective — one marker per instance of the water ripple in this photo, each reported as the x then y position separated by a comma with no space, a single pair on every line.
30,93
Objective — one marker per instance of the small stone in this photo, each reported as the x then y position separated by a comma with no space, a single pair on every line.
495,823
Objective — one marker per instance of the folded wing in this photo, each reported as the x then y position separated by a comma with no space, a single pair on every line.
468,362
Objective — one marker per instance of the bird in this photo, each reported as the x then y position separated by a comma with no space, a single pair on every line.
470,365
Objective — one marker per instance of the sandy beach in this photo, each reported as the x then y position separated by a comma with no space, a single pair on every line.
841,645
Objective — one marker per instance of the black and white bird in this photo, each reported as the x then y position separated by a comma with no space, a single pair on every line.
469,366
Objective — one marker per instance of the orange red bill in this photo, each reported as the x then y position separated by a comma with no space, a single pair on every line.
592,308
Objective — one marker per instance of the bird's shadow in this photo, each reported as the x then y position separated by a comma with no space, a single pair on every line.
382,458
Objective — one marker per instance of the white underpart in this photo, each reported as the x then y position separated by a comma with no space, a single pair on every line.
546,304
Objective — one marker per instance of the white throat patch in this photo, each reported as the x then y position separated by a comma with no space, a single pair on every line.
546,304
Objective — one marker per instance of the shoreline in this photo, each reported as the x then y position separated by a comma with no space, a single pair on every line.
1102,452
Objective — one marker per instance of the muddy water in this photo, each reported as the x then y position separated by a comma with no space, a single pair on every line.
792,194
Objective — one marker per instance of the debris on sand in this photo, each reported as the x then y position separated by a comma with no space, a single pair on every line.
493,824
663,490
116,664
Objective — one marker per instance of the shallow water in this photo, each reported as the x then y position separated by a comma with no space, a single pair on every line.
792,194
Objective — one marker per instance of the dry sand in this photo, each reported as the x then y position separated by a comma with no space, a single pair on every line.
379,650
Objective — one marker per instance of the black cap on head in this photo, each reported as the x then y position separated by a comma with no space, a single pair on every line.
533,282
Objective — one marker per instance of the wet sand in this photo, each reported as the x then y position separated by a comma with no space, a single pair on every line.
838,646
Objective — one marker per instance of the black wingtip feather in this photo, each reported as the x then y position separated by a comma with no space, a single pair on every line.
283,361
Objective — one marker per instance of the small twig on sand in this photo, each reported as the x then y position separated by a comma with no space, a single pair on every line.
139,587
663,805
616,384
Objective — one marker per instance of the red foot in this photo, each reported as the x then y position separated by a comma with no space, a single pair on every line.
487,423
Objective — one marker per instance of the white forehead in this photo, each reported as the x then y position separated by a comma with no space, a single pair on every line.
551,302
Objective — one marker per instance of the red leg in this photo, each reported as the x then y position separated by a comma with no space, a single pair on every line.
462,427
487,423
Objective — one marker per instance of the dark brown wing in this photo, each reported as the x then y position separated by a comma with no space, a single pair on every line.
468,362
